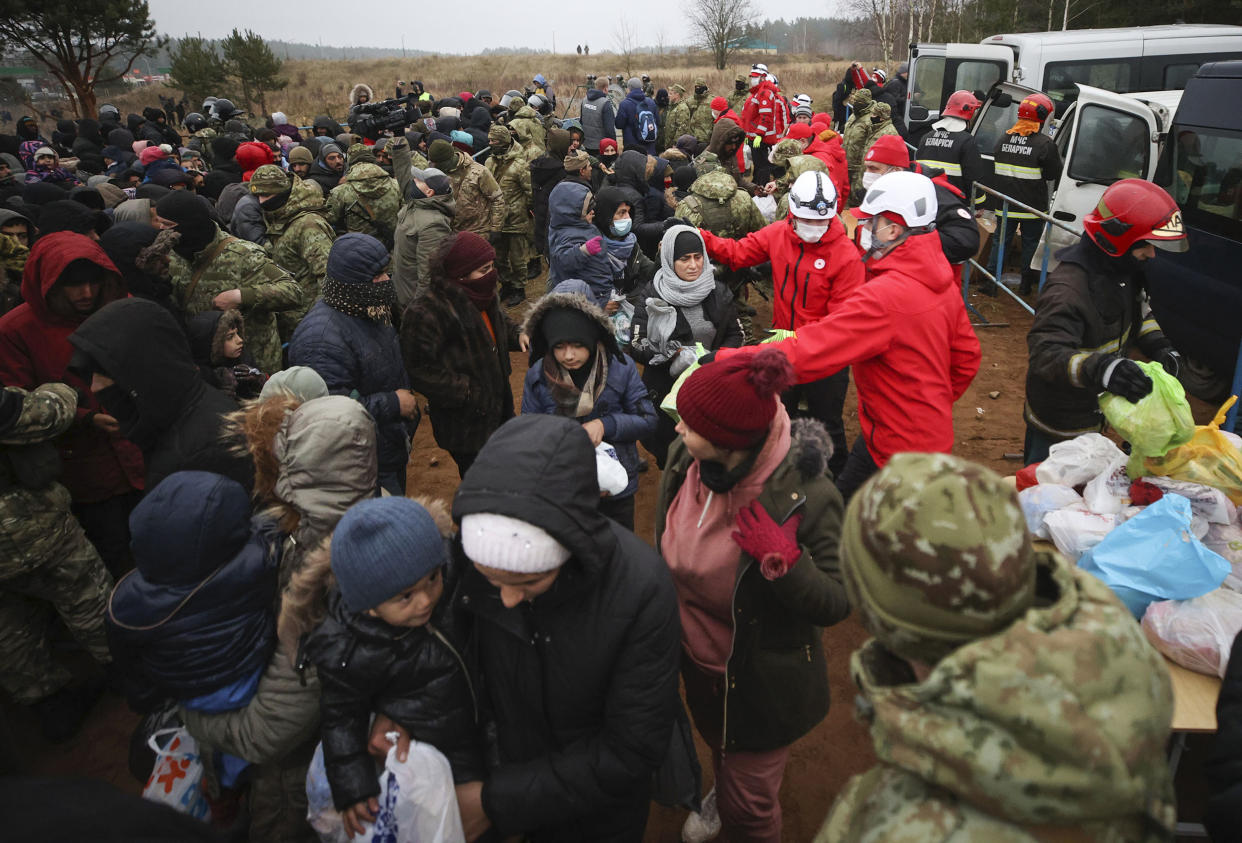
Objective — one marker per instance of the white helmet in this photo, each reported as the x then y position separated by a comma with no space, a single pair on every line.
908,195
813,197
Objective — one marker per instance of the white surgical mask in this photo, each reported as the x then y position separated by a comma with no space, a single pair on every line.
869,179
864,238
809,231
622,227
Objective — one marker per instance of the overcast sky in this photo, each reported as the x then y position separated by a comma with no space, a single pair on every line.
434,25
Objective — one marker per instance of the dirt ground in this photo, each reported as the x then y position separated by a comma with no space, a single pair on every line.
989,430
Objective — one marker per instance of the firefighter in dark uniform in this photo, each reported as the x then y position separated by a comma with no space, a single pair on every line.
950,146
1092,311
1025,161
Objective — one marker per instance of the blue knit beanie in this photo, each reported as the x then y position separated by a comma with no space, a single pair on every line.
381,547
356,258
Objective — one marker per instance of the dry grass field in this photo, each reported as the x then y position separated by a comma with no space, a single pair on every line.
317,87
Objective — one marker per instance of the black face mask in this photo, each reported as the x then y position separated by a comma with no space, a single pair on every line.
719,479
777,172
740,87
700,90
277,201
194,238
608,160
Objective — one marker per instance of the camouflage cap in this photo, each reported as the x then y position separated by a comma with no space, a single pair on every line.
861,98
269,180
783,151
360,153
741,77
499,134
882,110
677,88
700,82
935,553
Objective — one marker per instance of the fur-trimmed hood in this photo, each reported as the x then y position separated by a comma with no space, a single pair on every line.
360,88
304,601
206,332
570,301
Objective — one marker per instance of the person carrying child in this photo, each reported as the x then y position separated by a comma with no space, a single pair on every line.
577,371
386,646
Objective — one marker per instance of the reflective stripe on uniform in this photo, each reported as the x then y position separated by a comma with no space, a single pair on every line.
1148,326
950,168
1075,368
1017,171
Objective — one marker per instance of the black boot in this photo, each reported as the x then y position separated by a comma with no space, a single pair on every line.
533,268
1030,281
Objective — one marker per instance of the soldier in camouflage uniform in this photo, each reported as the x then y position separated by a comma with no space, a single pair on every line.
480,204
880,123
788,155
1010,696
716,204
212,270
691,116
14,249
366,202
47,565
299,235
854,136
508,165
737,97
530,131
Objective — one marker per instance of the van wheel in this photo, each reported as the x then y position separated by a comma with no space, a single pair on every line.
1203,382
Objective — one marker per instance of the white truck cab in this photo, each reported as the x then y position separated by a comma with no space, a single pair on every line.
1140,58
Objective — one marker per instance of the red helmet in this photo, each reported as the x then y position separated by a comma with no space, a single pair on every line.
1132,210
962,104
1035,107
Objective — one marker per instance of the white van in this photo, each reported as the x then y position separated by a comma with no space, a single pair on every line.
1140,58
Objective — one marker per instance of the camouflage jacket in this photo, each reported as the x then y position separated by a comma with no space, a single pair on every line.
691,116
854,139
795,165
34,509
299,238
512,173
716,203
200,142
12,261
737,101
239,264
46,412
367,202
480,204
1054,729
530,132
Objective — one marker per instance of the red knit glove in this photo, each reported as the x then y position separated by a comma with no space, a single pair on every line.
774,545
594,246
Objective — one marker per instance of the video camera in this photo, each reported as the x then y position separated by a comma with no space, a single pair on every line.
372,119
591,77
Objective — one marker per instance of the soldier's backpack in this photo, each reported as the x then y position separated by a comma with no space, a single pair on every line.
716,216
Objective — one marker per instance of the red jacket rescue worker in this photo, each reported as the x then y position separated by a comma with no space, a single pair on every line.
905,331
815,268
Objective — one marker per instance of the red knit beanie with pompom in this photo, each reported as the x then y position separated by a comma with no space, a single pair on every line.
731,403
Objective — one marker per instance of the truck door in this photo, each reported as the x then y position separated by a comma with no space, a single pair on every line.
1103,138
937,70
997,114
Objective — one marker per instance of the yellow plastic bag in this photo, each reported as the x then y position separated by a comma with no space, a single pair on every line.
1208,458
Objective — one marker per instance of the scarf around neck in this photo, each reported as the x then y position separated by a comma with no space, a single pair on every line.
366,301
572,402
481,290
619,252
685,293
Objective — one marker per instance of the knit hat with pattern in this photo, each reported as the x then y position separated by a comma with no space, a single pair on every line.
731,403
381,547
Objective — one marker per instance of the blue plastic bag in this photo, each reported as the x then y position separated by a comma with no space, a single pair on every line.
1154,556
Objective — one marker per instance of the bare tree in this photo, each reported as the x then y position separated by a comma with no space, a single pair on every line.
718,26
885,16
627,42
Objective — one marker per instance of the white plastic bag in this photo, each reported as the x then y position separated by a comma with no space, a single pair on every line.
1226,539
1109,491
1037,501
1198,633
1205,501
1076,531
177,778
1078,460
612,475
766,206
622,320
418,803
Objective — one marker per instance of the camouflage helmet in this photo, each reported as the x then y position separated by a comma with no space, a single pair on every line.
500,135
677,87
935,553
860,100
783,151
360,153
269,180
881,111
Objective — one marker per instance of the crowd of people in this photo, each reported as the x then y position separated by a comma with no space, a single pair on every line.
218,343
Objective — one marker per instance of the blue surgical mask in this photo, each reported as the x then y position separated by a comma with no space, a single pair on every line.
622,227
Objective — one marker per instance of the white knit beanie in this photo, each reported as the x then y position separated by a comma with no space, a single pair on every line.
507,544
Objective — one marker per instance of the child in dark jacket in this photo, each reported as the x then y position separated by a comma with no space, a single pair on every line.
577,371
386,647
194,622
218,343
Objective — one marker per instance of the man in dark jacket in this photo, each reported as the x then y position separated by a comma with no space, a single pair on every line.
348,338
1092,310
138,363
224,167
329,168
156,129
636,119
598,117
576,630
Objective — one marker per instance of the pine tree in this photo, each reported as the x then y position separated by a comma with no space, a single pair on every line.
254,67
197,69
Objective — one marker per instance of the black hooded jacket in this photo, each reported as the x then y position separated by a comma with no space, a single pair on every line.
161,402
581,681
649,209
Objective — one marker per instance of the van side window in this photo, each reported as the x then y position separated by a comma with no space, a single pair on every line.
1118,75
1109,145
1205,177
928,83
936,79
1177,75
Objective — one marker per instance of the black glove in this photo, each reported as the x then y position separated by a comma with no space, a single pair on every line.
1170,360
1128,380
707,358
